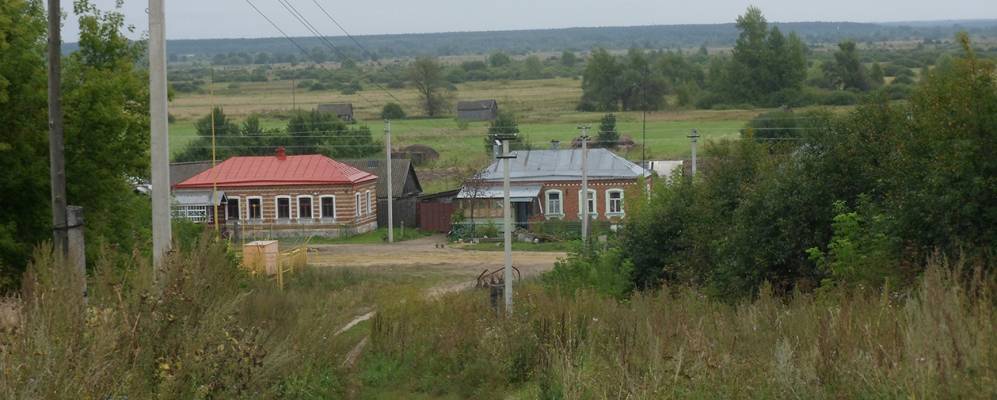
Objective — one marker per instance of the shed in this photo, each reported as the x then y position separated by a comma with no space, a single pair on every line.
418,153
405,189
477,110
342,110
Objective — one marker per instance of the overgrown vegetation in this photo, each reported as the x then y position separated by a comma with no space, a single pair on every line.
815,199
677,343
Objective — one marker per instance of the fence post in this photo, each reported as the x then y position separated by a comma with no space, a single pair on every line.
77,247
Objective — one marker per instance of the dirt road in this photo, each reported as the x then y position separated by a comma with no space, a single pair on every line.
424,254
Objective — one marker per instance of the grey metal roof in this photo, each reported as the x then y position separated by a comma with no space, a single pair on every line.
516,193
181,171
196,197
564,165
470,105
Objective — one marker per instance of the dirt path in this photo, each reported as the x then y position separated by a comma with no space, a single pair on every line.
425,253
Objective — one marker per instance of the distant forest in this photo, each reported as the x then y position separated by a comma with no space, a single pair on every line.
579,39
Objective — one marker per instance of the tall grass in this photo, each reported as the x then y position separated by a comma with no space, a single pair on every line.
210,332
937,341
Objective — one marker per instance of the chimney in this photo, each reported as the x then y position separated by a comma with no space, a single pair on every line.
555,144
281,153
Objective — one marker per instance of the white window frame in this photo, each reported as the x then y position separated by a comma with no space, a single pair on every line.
357,205
238,207
276,208
609,203
594,212
321,214
370,209
249,211
311,200
560,203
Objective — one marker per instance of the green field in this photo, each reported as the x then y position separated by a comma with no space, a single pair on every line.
545,109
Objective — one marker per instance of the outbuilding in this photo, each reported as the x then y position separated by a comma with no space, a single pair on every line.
477,110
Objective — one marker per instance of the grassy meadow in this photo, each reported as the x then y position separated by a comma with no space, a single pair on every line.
545,109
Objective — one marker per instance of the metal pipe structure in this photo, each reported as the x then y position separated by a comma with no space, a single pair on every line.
507,222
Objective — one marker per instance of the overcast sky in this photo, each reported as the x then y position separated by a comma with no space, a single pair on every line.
190,19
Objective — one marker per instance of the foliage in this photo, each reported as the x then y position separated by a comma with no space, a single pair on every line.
25,217
609,84
847,71
307,132
852,199
392,111
605,272
505,125
426,75
764,64
608,136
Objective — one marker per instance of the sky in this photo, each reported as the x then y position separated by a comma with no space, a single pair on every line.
198,19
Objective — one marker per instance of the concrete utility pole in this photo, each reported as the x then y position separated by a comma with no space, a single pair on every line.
694,137
56,144
507,223
584,195
161,230
391,208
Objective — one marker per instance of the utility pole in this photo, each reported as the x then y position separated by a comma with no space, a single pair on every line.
694,137
161,230
507,224
391,209
56,142
584,195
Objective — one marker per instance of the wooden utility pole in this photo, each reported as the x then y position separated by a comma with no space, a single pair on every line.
391,209
56,142
161,230
584,195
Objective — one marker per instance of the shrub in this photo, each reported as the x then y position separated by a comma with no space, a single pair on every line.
392,111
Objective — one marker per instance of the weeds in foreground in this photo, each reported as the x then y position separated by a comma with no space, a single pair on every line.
935,342
210,332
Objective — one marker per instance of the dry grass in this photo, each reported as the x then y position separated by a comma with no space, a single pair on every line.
935,342
212,332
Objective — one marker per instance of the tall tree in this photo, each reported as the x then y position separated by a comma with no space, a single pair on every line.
608,136
428,78
106,103
765,65
847,71
25,212
601,83
503,125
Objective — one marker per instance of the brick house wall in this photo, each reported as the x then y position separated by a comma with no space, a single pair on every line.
570,191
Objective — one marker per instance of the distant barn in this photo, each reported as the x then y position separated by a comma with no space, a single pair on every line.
418,153
342,110
477,110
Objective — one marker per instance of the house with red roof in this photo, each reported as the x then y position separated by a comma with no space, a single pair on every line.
280,196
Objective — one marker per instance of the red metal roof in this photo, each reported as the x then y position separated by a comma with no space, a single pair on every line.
276,171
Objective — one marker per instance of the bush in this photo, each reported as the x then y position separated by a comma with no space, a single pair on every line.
838,98
392,111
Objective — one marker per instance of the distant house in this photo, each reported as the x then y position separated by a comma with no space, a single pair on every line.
546,184
405,190
418,153
281,196
342,110
477,110
665,168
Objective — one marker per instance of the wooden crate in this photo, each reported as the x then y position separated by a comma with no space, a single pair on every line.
261,256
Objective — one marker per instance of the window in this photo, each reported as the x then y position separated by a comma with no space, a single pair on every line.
283,207
232,209
255,205
356,207
328,206
554,205
593,211
614,202
304,207
370,210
